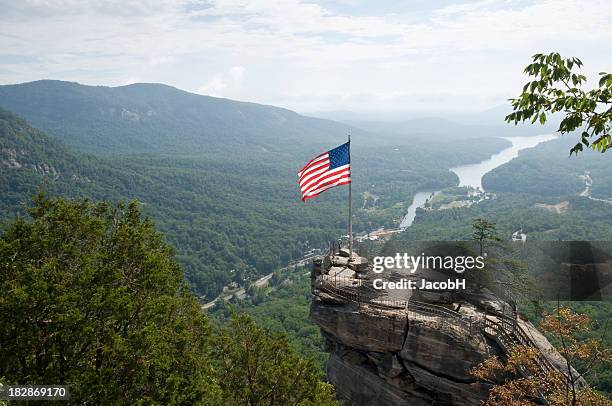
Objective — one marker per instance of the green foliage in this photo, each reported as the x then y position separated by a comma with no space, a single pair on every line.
2,383
547,171
284,310
503,273
156,118
224,210
483,232
585,220
257,368
601,376
93,299
556,87
221,214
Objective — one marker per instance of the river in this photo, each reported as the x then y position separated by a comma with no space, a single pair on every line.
471,175
418,201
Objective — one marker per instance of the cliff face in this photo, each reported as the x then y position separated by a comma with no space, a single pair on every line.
411,352
383,357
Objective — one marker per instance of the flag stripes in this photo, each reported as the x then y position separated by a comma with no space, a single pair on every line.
325,171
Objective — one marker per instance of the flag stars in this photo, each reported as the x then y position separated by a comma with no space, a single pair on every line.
339,156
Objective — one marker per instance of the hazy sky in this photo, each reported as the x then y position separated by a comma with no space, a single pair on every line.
357,55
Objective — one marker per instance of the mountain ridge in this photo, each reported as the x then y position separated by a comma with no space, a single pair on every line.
150,117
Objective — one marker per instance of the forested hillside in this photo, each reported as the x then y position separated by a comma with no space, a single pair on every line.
234,210
549,170
158,118
30,160
584,220
217,216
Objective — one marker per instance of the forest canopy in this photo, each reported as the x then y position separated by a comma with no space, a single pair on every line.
94,299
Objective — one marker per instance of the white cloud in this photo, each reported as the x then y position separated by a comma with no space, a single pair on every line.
462,8
161,60
237,73
214,87
301,55
226,84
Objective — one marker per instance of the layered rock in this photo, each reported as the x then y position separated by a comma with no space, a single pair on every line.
385,358
383,353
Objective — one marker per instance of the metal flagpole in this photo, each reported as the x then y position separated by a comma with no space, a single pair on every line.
350,219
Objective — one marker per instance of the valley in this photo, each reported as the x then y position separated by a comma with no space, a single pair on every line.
306,202
224,202
230,207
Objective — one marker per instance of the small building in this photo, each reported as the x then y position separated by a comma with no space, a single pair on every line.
519,236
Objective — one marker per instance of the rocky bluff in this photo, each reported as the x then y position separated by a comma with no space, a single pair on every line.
415,349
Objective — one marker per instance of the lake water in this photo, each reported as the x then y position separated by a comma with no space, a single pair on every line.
471,175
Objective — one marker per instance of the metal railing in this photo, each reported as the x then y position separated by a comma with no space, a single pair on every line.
324,285
349,290
506,331
450,317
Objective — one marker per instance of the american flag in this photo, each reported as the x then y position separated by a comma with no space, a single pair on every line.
330,169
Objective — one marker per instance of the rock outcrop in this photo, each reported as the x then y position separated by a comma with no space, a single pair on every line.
388,352
13,159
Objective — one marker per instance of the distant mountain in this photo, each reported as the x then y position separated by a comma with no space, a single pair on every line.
148,117
449,129
345,116
487,123
218,176
495,117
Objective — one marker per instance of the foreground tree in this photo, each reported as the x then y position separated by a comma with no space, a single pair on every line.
556,88
528,381
566,326
258,368
93,298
